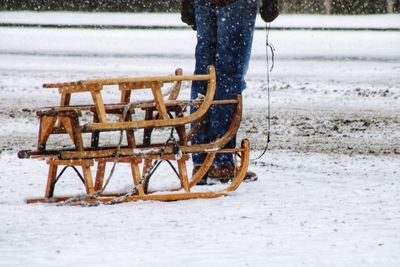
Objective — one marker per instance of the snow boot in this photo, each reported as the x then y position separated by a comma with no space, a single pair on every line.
226,173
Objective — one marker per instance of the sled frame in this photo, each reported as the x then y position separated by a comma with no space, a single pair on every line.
64,119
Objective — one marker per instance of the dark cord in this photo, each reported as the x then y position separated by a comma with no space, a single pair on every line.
269,47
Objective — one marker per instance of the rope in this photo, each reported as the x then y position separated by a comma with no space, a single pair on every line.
176,150
269,48
115,162
82,198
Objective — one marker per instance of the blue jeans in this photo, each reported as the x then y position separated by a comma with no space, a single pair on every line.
224,39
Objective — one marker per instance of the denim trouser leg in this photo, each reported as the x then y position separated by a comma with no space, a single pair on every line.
224,39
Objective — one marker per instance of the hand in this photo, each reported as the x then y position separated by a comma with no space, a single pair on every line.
188,15
269,10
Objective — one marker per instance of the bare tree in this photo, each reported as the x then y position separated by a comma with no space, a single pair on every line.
390,6
328,6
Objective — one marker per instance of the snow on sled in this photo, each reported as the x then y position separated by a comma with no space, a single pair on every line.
163,112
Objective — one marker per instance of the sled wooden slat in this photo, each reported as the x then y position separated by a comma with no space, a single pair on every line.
155,197
176,90
99,104
68,90
159,101
133,105
135,80
65,99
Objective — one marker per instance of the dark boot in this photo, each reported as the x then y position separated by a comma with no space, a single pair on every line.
250,177
226,173
222,173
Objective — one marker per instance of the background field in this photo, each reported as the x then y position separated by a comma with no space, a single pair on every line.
328,192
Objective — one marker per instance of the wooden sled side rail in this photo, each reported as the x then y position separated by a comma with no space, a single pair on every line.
136,82
118,108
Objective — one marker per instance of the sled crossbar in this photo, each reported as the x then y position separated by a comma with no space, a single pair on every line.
133,105
86,84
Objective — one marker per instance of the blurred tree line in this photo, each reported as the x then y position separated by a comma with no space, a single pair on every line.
287,6
340,6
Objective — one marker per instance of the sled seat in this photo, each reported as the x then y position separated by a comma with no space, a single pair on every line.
126,87
65,118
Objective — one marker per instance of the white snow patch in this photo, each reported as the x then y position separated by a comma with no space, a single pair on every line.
308,208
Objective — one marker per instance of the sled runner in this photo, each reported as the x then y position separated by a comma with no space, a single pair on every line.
163,112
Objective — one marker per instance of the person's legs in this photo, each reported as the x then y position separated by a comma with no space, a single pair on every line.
235,27
205,56
224,39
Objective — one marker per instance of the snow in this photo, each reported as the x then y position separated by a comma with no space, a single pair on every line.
328,192
333,210
157,43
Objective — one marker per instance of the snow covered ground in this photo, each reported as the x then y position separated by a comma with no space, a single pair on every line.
328,192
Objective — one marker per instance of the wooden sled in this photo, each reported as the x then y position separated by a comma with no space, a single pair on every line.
160,113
